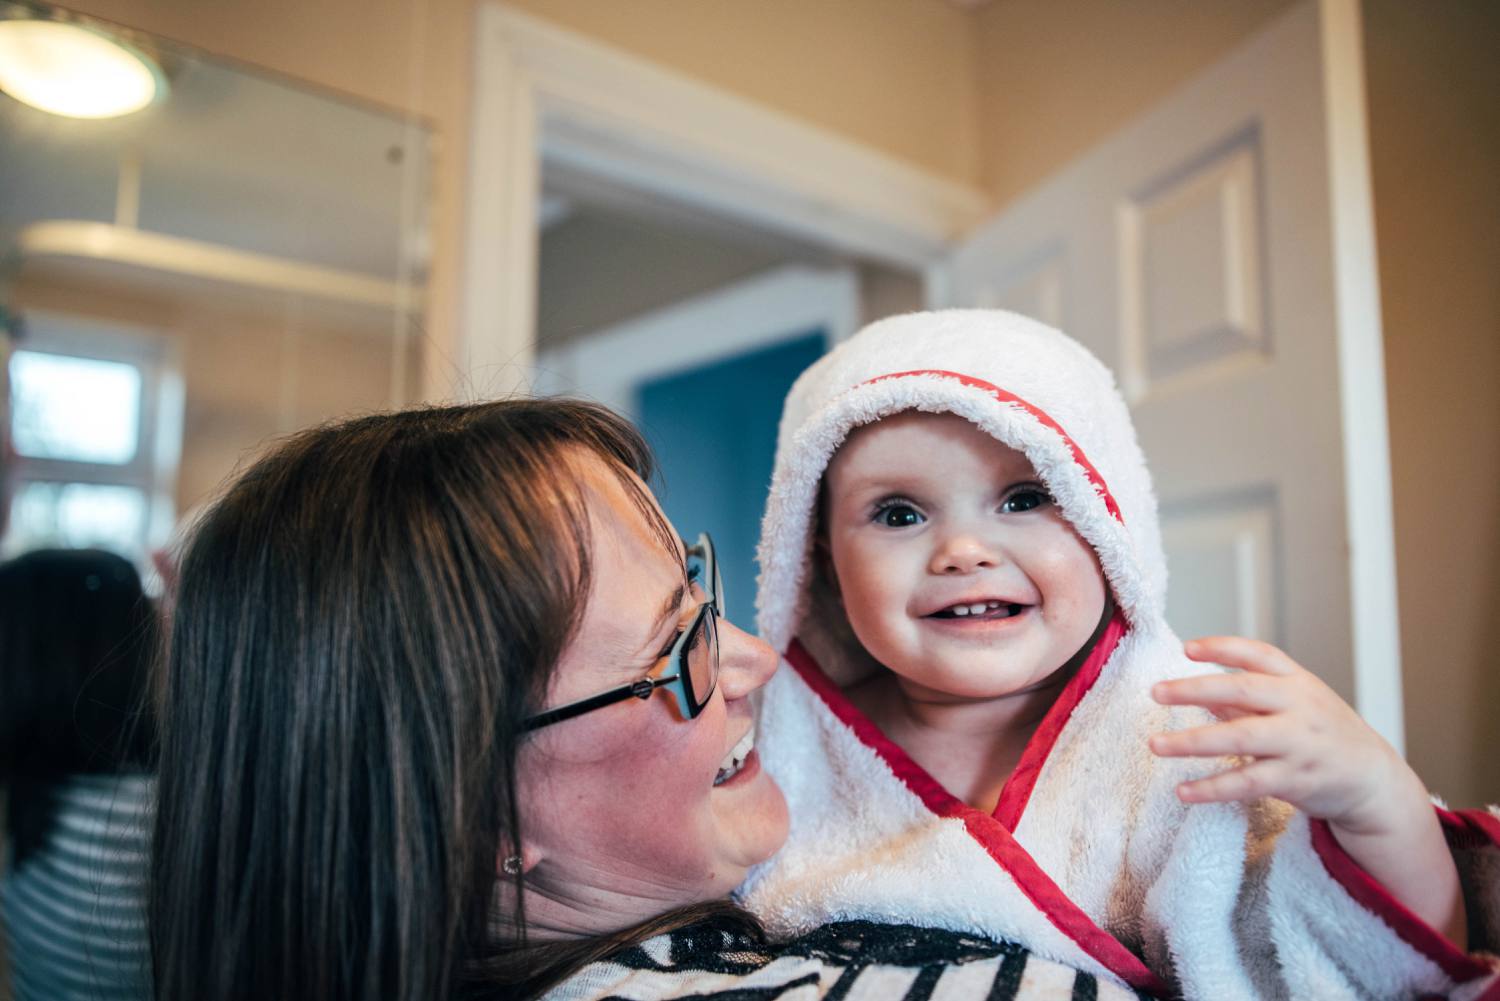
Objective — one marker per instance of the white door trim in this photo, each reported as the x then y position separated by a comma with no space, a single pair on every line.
541,90
1362,390
756,313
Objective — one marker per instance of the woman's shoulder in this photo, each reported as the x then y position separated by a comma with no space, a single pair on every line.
843,959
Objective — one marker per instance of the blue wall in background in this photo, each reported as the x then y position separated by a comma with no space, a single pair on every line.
714,433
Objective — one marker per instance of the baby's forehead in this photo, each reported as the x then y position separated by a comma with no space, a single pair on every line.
915,439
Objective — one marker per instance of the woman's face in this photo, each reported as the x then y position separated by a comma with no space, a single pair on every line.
620,813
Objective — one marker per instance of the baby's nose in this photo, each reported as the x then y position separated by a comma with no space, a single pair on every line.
963,554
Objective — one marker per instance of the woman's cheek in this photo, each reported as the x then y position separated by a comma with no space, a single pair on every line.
680,753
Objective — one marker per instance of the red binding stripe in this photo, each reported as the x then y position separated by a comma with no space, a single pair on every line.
1016,792
1038,887
1035,411
1412,930
1470,829
1018,788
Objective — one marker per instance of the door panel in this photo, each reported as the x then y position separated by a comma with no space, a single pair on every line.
1190,285
1232,542
1035,288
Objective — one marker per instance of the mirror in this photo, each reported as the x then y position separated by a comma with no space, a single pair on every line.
242,257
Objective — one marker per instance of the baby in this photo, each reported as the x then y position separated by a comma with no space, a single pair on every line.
987,725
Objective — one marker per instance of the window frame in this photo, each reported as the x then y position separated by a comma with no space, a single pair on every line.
159,431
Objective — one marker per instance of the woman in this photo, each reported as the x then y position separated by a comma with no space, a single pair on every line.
414,743
76,637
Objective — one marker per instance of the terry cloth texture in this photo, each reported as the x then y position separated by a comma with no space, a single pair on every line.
847,961
1089,858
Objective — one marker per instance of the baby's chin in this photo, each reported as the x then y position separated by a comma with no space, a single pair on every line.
937,688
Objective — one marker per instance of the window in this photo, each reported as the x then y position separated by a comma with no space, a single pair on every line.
97,430
78,409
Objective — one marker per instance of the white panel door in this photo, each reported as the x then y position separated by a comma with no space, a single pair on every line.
1212,253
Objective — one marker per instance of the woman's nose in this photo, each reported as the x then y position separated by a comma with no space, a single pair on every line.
961,553
745,662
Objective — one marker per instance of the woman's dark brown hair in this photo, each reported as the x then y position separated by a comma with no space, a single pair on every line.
362,624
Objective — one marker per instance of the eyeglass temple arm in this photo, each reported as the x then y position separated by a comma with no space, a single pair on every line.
641,689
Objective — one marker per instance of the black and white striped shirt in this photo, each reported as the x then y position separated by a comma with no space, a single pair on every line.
74,910
845,961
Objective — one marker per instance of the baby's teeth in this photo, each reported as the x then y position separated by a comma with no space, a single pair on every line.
977,608
961,610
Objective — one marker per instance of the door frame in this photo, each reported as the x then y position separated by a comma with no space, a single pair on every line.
1369,507
759,312
543,91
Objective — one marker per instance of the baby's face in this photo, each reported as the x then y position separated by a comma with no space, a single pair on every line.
955,568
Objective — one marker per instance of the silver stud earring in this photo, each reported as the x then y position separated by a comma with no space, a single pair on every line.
511,865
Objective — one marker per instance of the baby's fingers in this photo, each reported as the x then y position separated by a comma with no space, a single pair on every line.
1258,736
1247,782
1242,691
1237,651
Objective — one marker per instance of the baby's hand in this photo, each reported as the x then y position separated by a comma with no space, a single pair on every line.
1306,745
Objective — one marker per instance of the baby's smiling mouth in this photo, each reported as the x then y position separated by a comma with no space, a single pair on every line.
989,609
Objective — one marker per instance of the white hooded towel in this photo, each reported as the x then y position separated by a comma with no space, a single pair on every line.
1089,858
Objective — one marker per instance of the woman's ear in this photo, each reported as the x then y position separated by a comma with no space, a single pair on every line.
517,863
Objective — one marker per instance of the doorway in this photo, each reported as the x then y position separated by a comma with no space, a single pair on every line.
713,430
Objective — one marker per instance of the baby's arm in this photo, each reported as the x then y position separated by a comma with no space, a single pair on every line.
1309,748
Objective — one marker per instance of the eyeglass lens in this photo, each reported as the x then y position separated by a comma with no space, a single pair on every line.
705,570
701,660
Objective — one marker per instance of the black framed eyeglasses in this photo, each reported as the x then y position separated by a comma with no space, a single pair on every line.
692,670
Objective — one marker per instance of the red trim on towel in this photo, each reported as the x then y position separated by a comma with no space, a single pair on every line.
1368,893
1035,411
1017,790
998,841
1470,829
1473,830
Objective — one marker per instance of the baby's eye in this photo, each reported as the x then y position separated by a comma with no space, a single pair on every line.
898,514
1025,499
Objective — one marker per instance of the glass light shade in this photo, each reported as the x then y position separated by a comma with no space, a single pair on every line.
70,70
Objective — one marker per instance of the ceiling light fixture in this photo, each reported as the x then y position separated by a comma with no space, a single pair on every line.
76,71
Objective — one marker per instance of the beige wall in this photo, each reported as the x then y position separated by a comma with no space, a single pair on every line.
897,75
1434,89
1057,76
